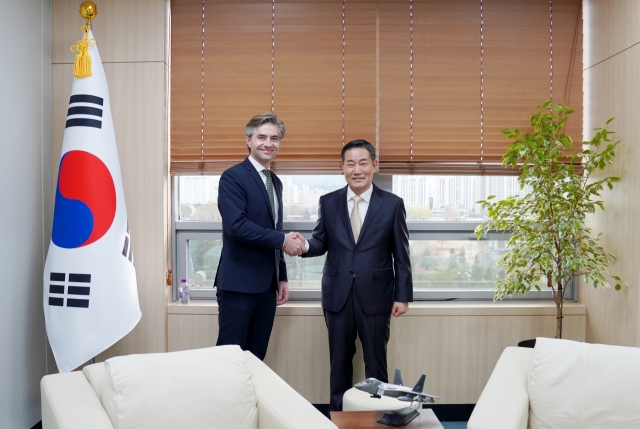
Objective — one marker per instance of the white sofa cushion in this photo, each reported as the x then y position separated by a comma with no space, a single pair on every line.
583,386
95,375
204,388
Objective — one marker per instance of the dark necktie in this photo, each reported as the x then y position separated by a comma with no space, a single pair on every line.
267,173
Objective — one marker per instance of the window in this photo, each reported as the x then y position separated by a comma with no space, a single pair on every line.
198,230
430,84
451,198
448,262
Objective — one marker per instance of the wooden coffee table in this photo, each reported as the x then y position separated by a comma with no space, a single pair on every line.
369,420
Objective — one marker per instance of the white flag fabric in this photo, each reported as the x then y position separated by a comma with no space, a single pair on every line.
90,291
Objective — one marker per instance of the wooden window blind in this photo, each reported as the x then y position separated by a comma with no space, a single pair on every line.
519,40
446,84
430,83
220,78
309,64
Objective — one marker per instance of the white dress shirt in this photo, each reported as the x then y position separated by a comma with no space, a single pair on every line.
363,206
260,167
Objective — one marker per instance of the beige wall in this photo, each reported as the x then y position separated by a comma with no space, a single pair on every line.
455,344
612,89
131,38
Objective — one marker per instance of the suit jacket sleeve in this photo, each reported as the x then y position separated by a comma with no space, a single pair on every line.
318,240
232,203
401,258
283,269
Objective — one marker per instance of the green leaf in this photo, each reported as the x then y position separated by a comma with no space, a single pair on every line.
548,232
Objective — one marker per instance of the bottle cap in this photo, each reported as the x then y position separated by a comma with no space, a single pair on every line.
183,280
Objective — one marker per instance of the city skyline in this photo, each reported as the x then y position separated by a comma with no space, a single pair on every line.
429,196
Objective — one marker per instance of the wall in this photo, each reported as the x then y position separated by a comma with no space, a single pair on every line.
612,89
25,129
131,38
455,344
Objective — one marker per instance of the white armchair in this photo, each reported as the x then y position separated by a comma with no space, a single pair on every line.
561,384
504,402
218,387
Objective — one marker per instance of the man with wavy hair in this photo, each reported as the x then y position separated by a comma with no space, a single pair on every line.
252,275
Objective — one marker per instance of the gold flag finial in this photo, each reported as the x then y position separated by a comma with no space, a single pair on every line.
88,10
82,63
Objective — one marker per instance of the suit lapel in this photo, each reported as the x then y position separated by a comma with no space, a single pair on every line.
343,212
263,189
374,205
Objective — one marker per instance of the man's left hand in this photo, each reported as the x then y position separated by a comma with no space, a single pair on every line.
283,293
399,308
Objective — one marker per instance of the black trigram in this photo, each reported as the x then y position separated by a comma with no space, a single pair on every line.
85,111
127,251
77,285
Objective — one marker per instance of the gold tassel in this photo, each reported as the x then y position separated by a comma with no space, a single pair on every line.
82,64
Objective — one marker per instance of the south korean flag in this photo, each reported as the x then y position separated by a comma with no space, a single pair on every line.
90,291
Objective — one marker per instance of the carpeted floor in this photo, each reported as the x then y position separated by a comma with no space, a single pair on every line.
454,425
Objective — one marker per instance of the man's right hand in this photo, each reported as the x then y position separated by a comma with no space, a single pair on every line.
294,244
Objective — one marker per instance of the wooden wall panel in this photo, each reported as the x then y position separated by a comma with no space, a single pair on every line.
62,79
610,27
125,30
458,353
138,102
299,351
131,39
456,346
612,90
193,331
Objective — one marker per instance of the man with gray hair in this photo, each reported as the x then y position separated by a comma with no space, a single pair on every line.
252,276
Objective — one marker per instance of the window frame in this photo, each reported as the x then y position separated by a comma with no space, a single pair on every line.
182,231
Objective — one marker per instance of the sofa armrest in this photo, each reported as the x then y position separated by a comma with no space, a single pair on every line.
69,402
279,406
504,402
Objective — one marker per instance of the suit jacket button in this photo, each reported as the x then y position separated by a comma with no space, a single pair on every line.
355,253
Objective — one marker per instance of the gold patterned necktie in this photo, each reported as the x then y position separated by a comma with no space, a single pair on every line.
356,224
267,173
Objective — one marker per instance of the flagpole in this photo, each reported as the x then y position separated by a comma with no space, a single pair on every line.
88,11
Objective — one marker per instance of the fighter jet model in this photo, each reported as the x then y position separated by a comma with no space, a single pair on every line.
396,389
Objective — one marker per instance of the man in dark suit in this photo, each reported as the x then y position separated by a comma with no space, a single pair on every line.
366,278
252,275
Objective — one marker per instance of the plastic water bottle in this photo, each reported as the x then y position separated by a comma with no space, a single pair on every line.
183,292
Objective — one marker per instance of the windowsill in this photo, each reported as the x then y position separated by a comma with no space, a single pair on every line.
419,308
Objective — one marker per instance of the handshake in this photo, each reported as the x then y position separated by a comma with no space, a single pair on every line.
294,244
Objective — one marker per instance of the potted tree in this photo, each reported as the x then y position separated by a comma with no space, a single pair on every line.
550,241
